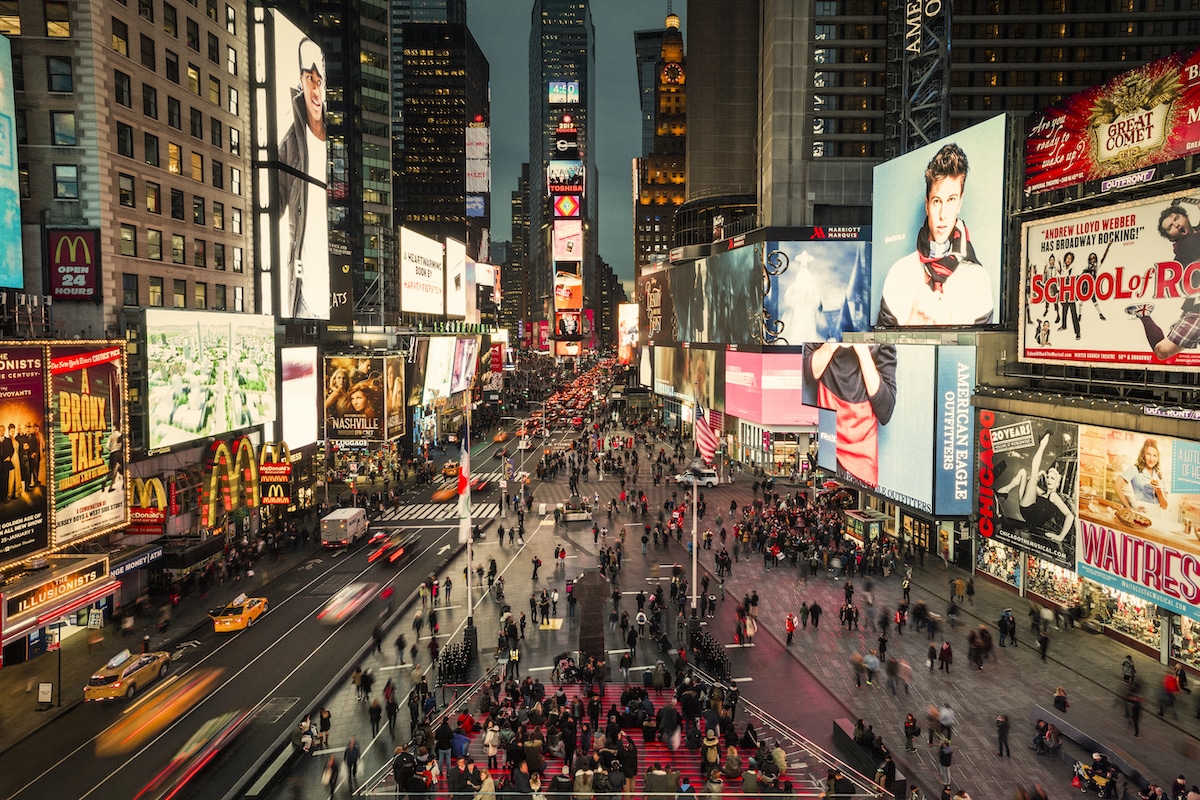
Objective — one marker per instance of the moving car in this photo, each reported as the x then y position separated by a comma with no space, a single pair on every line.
397,546
703,475
342,527
447,492
125,673
238,615
198,752
347,602
147,718
450,469
502,436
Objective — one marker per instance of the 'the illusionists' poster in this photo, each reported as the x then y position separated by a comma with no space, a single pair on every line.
22,453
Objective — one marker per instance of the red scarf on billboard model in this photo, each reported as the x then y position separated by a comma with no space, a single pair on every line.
939,268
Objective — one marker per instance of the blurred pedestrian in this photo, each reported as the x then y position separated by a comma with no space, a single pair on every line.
351,756
329,777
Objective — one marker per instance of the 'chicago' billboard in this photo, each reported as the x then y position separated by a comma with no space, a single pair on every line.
1138,119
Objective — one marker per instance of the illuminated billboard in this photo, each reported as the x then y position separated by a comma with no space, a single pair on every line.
456,278
74,264
566,206
561,92
24,457
354,398
568,240
295,110
954,457
417,357
422,283
568,324
766,388
11,264
542,335
691,373
301,388
207,374
466,356
568,292
438,366
656,311
1114,287
1140,118
627,332
479,159
716,298
395,397
817,290
566,141
87,440
937,249
565,177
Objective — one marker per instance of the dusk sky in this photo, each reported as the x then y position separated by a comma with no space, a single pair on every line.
502,29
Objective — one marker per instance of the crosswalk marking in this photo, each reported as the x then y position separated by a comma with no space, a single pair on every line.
437,512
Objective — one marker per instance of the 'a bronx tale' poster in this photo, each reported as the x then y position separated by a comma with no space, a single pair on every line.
22,453
87,397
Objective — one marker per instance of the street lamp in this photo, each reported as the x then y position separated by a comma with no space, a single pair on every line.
695,473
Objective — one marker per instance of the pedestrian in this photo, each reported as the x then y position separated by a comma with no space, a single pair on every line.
375,712
945,657
814,611
932,656
1043,643
1002,726
971,590
329,777
945,757
324,723
911,731
790,623
351,755
1128,670
393,709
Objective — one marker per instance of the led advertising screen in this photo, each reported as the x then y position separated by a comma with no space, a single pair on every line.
479,159
1114,287
1027,483
817,290
207,374
560,92
627,332
476,206
1139,516
24,458
718,299
568,291
937,249
955,455
466,356
690,373
765,388
11,265
417,358
74,264
437,370
566,206
542,335
566,141
456,278
656,311
422,282
564,177
883,399
395,402
299,76
301,388
567,349
88,444
568,324
568,240
1138,119
354,398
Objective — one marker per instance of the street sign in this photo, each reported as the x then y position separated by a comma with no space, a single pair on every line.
45,693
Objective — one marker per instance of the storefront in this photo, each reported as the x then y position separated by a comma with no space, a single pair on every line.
776,452
133,567
41,609
863,525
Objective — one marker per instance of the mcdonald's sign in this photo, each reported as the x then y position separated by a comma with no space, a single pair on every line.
275,472
149,502
231,478
73,258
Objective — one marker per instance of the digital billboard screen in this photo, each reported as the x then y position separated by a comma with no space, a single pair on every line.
466,356
718,299
301,388
354,398
560,92
568,324
456,278
565,177
955,456
417,358
298,82
656,311
817,290
691,373
395,397
568,291
89,448
11,266
422,281
1140,118
766,388
207,374
438,366
882,397
24,457
566,206
1114,287
479,159
568,240
627,332
938,242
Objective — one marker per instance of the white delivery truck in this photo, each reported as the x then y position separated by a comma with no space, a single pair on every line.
342,527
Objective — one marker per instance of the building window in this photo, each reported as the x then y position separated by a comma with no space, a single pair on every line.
128,240
218,256
129,289
172,66
149,60
180,293
218,175
153,197
151,143
197,122
18,73
66,181
194,79
23,180
231,60
214,91
193,35
174,113
197,167
235,180
219,297
146,10
62,128
216,132
233,101
125,139
125,189
176,204
10,18
211,10
170,21
154,244
235,141
120,36
174,159
59,75
124,88
200,295
156,292
231,20
58,19
239,299
218,215
197,210
214,48
22,127
237,260
235,220
176,248
200,253
149,101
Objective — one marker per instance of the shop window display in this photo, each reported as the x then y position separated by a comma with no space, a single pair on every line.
1000,561
1123,613
1185,641
1061,586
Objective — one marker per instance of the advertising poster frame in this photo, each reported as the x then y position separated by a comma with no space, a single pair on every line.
353,398
817,290
24,522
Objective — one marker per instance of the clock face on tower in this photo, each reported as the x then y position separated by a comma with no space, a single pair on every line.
672,73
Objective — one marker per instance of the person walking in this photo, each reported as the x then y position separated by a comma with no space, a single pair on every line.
790,624
351,755
1043,643
329,777
1002,727
911,731
1128,670
945,757
376,714
945,657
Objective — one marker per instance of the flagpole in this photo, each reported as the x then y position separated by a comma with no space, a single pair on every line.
464,530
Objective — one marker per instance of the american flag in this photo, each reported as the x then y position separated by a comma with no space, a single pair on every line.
464,482
706,438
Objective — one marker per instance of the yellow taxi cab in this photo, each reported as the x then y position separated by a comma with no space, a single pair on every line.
450,469
125,673
238,615
445,493
502,436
